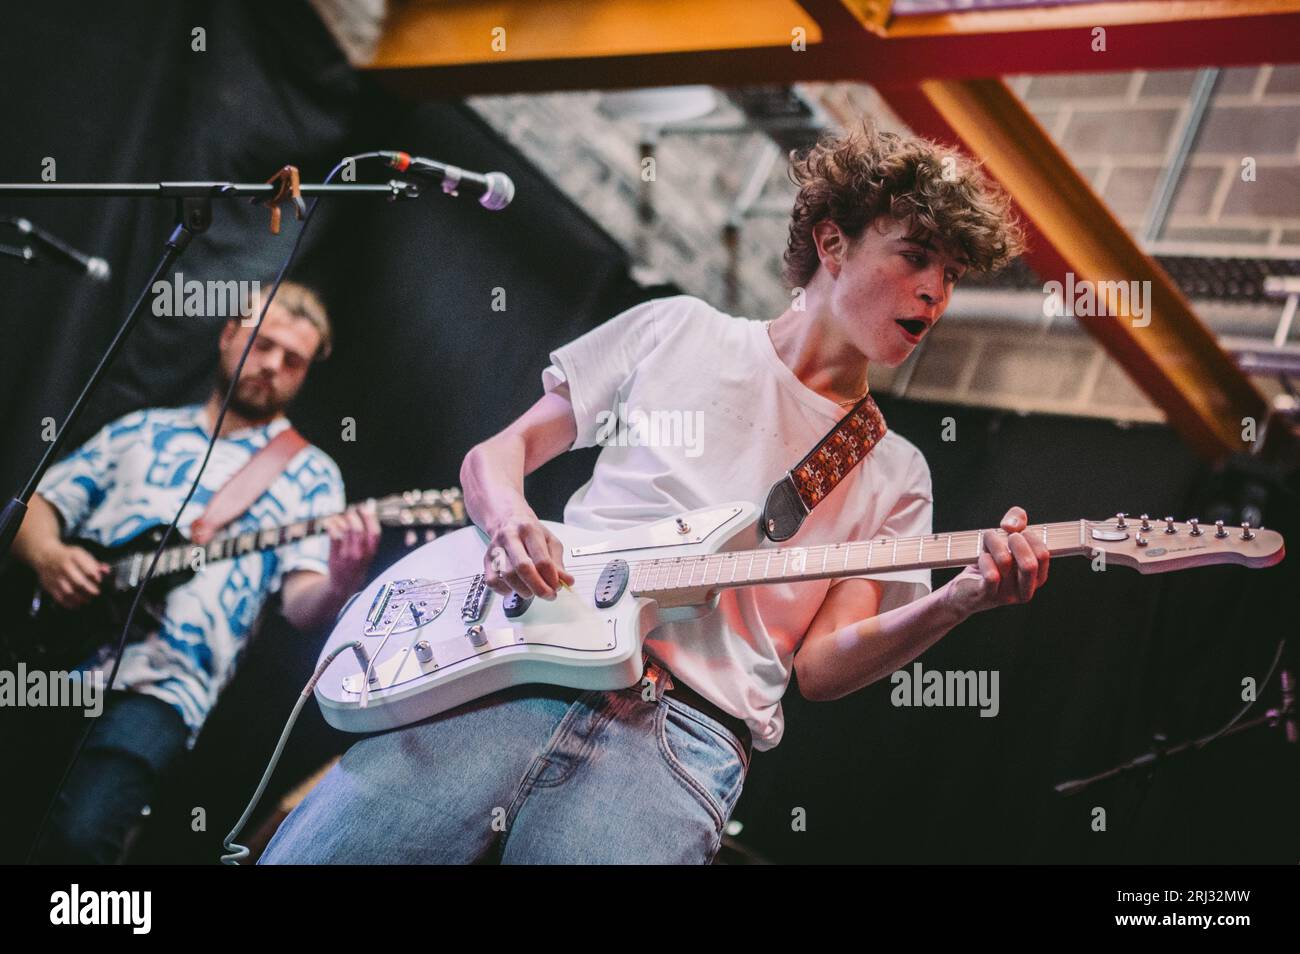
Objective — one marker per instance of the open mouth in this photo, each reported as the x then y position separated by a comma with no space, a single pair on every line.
913,326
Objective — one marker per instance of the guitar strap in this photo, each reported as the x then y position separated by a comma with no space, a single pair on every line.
250,482
793,497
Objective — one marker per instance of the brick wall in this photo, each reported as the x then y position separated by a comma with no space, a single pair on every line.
1119,129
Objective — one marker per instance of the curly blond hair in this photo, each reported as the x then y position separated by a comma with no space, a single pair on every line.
855,178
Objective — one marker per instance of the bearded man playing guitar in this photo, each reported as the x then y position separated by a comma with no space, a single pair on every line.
132,476
882,230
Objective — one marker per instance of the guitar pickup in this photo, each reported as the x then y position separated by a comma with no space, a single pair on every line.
516,605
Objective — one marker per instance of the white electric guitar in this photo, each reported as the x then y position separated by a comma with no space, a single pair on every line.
429,635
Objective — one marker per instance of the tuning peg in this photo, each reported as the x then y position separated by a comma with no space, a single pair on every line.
1219,532
1169,525
1195,525
1141,540
410,539
1246,533
1119,521
1146,523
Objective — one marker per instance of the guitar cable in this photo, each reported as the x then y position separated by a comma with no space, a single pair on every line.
166,537
236,852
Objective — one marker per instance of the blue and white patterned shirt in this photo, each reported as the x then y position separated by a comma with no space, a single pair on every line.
131,477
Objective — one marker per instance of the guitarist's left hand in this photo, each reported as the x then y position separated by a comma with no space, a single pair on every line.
354,537
1010,570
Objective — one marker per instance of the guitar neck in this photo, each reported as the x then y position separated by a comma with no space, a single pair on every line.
186,555
794,564
411,509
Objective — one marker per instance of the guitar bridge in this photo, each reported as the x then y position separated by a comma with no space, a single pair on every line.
426,598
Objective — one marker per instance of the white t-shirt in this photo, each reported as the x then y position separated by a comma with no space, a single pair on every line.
745,419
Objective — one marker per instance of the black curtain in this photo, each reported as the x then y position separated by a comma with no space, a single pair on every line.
425,367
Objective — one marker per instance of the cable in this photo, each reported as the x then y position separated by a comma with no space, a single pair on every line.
166,537
1277,657
374,657
238,853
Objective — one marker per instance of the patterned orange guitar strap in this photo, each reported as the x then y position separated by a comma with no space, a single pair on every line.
793,497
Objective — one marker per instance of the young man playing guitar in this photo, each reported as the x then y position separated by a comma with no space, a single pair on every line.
882,230
132,476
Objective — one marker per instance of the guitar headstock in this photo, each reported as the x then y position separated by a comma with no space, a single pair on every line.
422,508
1159,546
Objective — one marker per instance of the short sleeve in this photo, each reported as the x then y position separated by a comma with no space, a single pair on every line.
322,495
912,515
599,365
78,484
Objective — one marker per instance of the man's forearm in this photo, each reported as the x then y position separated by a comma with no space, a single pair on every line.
864,651
492,479
41,528
313,603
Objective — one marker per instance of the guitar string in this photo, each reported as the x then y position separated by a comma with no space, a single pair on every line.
458,589
180,553
588,572
960,538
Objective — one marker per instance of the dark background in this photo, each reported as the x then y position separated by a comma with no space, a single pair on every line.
1089,670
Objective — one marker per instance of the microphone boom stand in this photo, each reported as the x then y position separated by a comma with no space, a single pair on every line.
193,216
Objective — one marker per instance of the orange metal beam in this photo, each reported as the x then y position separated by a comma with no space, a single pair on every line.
444,49
472,31
439,50
1170,354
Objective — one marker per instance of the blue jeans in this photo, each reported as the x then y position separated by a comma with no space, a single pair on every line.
136,741
535,774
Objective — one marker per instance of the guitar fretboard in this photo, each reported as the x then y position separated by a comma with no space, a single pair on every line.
792,564
413,509
186,556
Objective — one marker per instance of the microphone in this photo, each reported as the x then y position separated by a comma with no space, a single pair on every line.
494,189
94,266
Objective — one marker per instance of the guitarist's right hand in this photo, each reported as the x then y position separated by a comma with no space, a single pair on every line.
69,574
525,557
